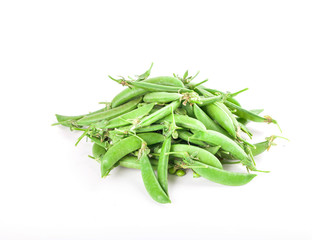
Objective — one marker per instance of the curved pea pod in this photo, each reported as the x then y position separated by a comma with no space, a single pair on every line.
207,121
127,118
243,113
126,146
161,97
187,136
162,170
98,150
220,113
219,175
130,93
150,181
133,162
245,121
185,122
109,114
159,114
262,146
227,144
99,142
202,155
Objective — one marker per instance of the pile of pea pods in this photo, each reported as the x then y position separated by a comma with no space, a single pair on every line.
170,125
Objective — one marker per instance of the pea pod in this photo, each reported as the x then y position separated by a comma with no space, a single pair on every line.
130,93
260,148
187,136
243,113
98,141
152,87
161,113
98,150
66,120
150,181
229,98
189,109
207,121
202,155
151,128
133,162
245,121
209,100
109,114
161,97
126,146
227,144
126,118
220,114
162,170
185,122
219,175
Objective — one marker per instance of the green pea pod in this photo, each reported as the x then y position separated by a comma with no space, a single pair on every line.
127,118
98,141
202,155
126,146
130,93
161,113
220,114
133,162
229,98
161,97
189,109
213,149
187,136
151,128
109,114
152,87
150,181
162,170
260,148
219,175
245,121
209,100
227,144
243,113
65,120
207,121
185,122
98,150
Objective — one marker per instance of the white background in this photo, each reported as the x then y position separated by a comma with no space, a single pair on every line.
55,57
